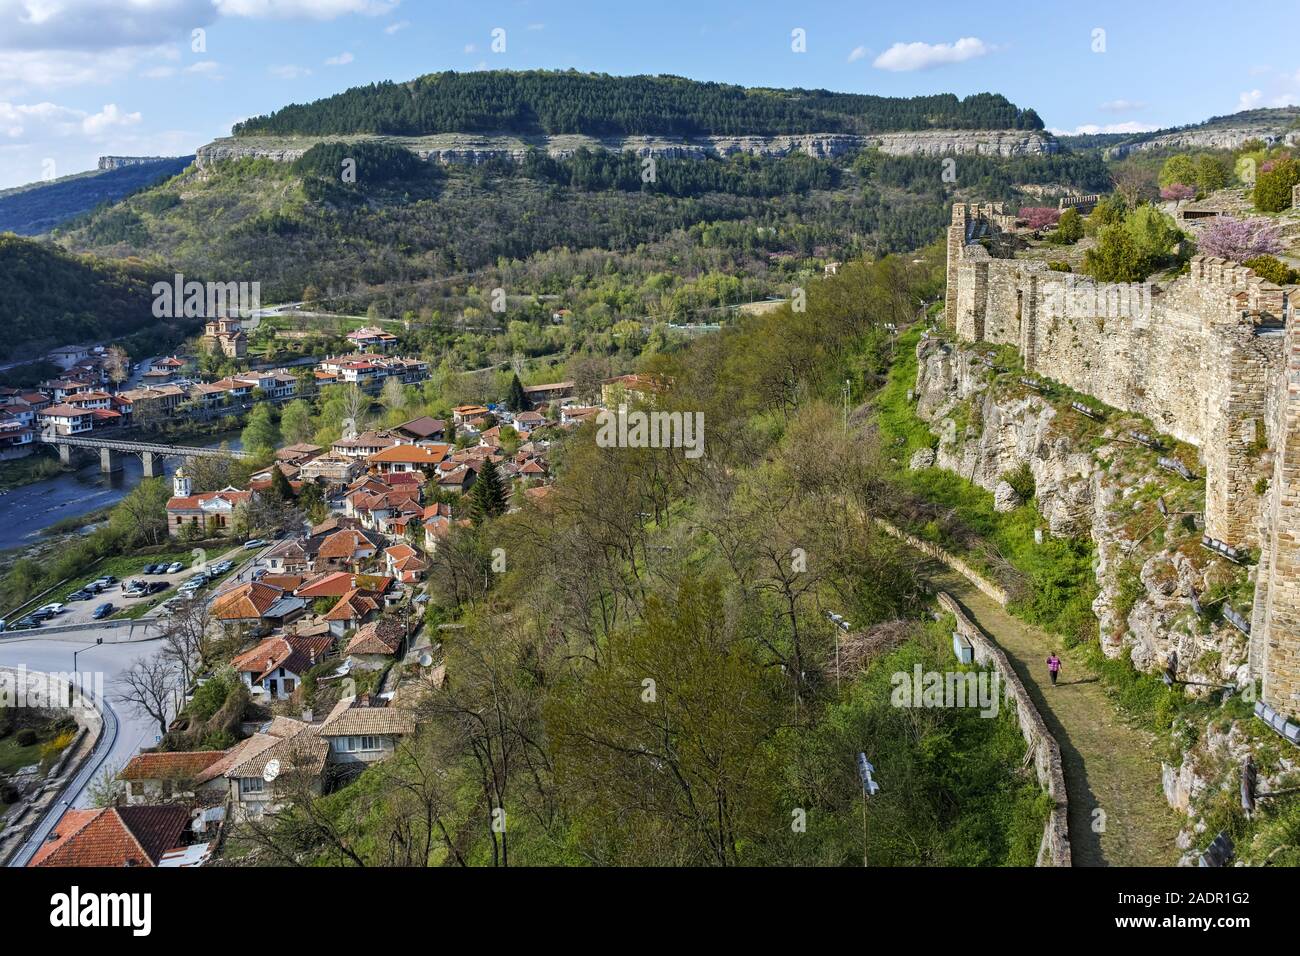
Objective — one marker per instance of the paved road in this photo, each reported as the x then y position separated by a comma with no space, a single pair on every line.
125,730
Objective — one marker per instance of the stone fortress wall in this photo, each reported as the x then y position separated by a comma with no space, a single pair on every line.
1211,358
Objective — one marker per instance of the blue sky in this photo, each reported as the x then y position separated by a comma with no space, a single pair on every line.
81,78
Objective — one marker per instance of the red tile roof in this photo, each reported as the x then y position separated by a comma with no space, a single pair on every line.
113,836
180,765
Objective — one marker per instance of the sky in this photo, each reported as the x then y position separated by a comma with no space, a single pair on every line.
85,78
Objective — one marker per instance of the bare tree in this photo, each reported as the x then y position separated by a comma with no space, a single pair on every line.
185,638
117,364
148,685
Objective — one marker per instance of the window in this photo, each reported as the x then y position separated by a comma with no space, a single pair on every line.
352,745
251,785
136,788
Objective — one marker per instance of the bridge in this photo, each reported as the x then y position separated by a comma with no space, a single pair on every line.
151,454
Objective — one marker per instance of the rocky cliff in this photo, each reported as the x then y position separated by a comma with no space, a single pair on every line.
468,148
119,162
1219,137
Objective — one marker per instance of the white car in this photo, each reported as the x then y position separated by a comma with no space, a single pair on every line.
55,608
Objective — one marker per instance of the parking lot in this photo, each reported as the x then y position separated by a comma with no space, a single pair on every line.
133,570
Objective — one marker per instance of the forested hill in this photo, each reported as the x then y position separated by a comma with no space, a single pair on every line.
39,207
50,297
551,103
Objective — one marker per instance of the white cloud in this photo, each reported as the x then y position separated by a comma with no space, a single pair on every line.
209,68
108,119
1250,99
537,26
471,47
1123,106
395,27
288,71
905,57
98,24
1092,129
857,53
49,120
158,72
305,9
343,59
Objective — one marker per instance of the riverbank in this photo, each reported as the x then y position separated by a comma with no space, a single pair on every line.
73,498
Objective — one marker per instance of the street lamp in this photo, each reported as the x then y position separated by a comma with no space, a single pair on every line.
76,676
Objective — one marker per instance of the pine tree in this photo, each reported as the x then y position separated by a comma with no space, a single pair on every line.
280,486
517,401
487,499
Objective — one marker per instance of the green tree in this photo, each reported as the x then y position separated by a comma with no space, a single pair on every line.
260,435
1211,173
1179,168
487,498
688,773
280,486
516,400
296,422
1273,188
1153,232
141,517
1115,257
1069,228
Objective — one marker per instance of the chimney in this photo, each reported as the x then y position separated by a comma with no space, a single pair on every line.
306,716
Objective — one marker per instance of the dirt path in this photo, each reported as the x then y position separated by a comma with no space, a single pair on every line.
1111,775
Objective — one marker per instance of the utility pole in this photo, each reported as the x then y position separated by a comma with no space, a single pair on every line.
846,390
869,788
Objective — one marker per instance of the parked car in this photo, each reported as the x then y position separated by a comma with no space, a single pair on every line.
175,567
254,543
135,588
103,611
82,595
25,623
192,585
51,609
153,587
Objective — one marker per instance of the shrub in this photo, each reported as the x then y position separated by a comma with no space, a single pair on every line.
1272,269
1021,480
1116,257
1273,188
1069,228
26,737
1056,265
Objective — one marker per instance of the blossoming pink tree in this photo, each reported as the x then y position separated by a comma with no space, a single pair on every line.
1240,239
1177,191
1039,217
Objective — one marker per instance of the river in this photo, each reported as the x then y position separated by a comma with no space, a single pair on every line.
28,510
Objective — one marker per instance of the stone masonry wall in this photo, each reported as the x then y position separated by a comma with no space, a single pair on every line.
1275,630
1202,357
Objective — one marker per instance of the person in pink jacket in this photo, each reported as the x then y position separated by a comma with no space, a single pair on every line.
1053,666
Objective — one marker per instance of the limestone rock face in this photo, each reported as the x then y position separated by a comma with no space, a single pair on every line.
1005,497
473,148
921,458
982,438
